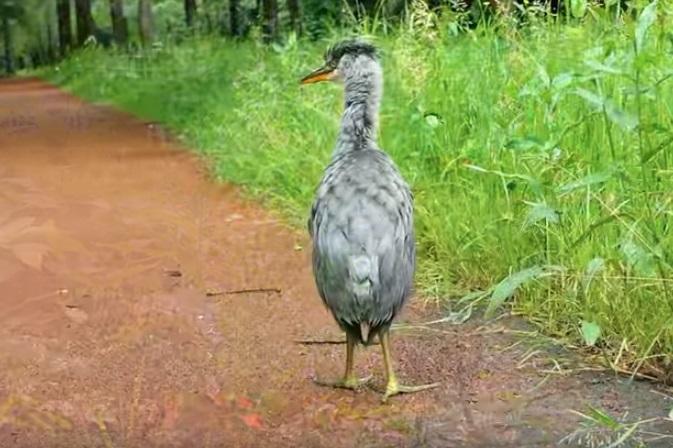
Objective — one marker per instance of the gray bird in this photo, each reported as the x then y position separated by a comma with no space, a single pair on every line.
361,221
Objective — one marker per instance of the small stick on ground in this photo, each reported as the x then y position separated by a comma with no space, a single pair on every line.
328,341
319,342
242,291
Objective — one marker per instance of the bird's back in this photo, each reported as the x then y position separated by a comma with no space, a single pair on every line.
363,241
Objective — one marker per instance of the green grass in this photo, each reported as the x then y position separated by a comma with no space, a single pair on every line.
541,158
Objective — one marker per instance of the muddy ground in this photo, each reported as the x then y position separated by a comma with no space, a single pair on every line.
112,237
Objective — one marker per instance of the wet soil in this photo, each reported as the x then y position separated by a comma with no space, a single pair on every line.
112,241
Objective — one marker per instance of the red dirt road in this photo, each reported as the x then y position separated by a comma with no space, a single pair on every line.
110,238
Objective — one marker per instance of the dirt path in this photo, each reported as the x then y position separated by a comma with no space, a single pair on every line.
110,237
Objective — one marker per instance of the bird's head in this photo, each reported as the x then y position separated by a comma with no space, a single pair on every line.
348,60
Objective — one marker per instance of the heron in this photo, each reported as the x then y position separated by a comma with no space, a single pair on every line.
361,221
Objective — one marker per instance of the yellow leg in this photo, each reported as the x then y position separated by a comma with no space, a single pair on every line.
349,381
392,385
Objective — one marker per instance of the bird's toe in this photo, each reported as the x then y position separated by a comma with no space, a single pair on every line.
393,388
352,383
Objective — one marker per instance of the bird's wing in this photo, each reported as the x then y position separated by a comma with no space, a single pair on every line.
362,227
309,223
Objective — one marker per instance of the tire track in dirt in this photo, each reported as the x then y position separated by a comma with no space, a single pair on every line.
110,237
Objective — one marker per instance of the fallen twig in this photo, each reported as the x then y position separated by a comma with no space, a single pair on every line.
242,291
599,369
330,341
320,342
654,391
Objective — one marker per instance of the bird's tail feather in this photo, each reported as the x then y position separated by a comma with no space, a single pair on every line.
362,267
364,332
363,273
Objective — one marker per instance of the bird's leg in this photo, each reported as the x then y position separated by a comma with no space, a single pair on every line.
393,387
349,381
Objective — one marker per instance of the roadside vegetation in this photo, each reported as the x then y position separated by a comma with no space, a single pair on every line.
540,154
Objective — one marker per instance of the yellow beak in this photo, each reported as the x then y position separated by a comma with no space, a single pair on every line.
321,74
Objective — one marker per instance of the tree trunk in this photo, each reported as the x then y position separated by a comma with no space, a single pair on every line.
85,24
190,12
145,21
362,7
208,22
294,7
270,20
7,42
257,11
120,27
396,8
64,26
51,47
234,26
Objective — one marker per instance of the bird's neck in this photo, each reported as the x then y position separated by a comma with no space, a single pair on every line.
359,122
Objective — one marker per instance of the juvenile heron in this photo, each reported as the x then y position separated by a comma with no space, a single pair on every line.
361,222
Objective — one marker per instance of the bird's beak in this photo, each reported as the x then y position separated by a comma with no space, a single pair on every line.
322,74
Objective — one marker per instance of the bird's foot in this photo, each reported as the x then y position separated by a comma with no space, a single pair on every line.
394,388
352,382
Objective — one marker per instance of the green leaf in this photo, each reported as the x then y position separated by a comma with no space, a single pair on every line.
432,120
578,8
509,285
615,114
539,211
591,98
622,119
562,80
530,88
594,266
645,21
524,143
600,67
591,331
543,76
638,258
603,418
591,179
